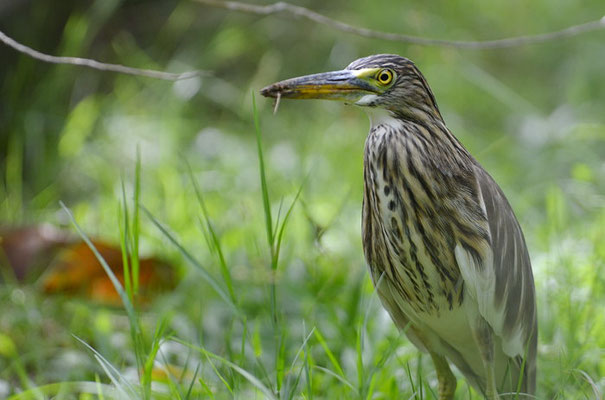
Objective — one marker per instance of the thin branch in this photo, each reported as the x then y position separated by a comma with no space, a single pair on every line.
301,12
86,62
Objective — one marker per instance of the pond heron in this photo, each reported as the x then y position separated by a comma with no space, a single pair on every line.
444,249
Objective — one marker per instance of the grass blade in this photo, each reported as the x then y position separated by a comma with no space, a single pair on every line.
595,388
190,388
287,390
308,375
120,383
148,367
263,178
52,389
329,353
280,234
338,377
205,274
99,387
359,360
215,241
114,280
409,375
247,375
124,245
136,334
134,255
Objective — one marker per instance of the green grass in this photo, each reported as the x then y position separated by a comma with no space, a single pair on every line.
284,331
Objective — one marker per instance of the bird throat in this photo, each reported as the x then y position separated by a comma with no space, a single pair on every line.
381,117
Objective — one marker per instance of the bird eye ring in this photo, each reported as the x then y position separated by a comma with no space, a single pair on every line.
385,76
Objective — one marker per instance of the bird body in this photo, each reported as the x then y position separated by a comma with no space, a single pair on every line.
443,246
412,227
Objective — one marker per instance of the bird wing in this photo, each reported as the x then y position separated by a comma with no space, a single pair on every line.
502,282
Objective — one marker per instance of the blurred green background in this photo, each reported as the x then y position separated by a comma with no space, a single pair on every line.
534,117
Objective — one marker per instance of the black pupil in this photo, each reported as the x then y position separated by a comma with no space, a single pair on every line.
384,77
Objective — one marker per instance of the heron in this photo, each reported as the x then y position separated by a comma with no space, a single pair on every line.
445,252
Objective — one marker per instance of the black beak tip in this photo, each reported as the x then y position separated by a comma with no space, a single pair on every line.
269,91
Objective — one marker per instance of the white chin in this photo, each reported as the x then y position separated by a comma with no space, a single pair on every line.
366,100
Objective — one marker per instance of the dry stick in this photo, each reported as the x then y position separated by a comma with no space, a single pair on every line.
85,62
302,12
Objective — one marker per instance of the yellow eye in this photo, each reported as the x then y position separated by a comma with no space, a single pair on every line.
385,76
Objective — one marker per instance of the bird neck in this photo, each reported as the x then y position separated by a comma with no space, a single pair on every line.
423,132
426,114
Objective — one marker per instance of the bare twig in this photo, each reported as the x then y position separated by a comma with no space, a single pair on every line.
85,62
296,11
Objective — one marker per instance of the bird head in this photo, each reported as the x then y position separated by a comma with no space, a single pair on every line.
384,81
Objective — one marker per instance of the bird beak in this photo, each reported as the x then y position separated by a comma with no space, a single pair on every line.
345,85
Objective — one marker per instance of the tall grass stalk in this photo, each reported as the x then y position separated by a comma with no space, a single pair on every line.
214,241
123,223
275,236
134,255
